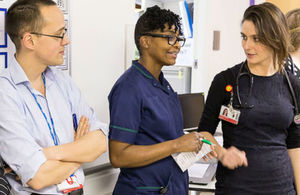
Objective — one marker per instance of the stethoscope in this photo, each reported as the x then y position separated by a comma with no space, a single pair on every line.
246,105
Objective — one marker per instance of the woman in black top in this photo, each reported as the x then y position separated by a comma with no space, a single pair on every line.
261,152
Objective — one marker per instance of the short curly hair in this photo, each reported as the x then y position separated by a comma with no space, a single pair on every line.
153,19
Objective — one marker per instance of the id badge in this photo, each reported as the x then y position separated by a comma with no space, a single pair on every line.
229,114
70,184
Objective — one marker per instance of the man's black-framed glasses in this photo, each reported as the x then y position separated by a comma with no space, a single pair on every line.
55,36
172,39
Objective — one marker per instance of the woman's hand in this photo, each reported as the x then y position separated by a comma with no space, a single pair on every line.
233,158
83,128
189,142
8,170
210,155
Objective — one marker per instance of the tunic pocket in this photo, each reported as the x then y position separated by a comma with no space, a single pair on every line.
147,191
154,189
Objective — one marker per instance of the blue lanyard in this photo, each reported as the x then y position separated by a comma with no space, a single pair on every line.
53,133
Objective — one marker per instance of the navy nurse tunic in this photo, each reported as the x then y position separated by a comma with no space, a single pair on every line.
144,111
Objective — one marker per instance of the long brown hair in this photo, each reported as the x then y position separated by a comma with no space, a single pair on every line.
272,29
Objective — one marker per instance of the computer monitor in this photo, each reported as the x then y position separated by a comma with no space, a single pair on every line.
192,105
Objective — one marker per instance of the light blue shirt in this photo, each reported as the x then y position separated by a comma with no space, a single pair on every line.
23,129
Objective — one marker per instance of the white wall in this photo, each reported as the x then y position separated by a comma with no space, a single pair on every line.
101,183
211,15
150,3
224,16
98,47
98,59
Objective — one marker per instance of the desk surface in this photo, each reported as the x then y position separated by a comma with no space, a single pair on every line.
210,187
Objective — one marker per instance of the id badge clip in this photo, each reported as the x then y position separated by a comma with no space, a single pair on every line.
70,184
228,113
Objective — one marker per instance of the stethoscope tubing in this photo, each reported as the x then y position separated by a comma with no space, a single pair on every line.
292,92
240,74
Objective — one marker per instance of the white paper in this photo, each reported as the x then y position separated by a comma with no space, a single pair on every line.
198,170
187,159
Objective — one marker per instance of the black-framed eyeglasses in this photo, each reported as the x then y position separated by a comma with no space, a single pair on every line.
172,40
55,36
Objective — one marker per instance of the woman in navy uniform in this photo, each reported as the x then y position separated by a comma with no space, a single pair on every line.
146,125
261,153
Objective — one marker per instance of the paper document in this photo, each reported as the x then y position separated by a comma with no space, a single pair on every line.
198,170
187,159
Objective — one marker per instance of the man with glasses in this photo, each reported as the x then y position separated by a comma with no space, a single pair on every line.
146,125
40,139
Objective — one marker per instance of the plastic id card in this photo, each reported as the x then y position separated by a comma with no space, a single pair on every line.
70,184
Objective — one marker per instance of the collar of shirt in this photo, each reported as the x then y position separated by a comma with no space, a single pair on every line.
19,76
163,84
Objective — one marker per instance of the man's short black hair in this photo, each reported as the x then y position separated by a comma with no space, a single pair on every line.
153,19
24,16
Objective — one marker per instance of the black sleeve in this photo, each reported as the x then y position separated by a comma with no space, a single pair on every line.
291,67
4,185
293,139
215,98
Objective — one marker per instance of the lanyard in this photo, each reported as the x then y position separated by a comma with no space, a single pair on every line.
52,132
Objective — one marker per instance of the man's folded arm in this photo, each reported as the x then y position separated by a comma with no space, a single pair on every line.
86,149
52,172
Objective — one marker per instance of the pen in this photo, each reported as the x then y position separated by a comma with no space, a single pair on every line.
75,125
206,141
